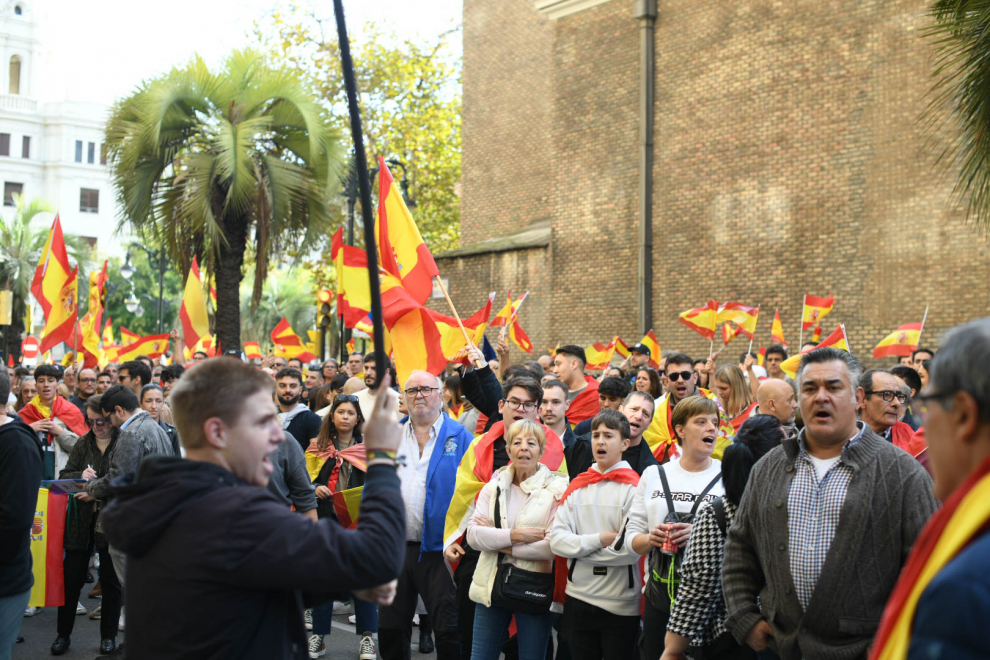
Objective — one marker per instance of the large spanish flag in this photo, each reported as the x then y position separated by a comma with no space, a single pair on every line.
60,321
963,517
288,344
519,337
815,309
107,333
742,315
52,270
193,314
902,341
777,330
451,337
128,337
46,550
702,319
835,340
152,346
353,287
401,250
416,340
476,469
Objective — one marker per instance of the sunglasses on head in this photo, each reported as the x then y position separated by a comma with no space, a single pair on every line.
346,397
673,376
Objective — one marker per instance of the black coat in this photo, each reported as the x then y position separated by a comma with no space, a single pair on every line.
20,475
304,427
80,517
324,508
482,389
217,567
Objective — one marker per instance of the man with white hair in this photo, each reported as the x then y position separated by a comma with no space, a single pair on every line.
431,449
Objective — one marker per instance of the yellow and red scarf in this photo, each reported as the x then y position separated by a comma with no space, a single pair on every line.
962,518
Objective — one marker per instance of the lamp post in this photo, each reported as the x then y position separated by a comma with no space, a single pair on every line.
158,261
351,193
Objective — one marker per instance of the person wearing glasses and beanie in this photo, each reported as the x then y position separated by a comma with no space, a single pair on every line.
90,458
336,462
428,456
881,408
682,382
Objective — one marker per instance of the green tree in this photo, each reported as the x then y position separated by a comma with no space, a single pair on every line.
204,162
287,293
22,240
959,112
143,285
410,105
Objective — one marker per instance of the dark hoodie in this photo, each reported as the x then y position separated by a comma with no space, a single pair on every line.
20,475
217,566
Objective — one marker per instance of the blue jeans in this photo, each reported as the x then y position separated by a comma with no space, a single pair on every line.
366,617
491,628
11,615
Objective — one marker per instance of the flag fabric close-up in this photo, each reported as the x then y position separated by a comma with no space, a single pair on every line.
903,341
353,288
650,341
451,337
46,550
192,313
742,315
702,319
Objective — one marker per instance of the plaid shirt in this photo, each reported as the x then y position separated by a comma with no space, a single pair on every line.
813,509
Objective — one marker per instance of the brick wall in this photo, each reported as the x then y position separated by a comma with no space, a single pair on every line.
790,159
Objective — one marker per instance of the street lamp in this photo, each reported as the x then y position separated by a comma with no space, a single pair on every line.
132,303
127,270
158,261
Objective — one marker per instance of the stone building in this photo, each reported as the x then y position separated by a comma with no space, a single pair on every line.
788,157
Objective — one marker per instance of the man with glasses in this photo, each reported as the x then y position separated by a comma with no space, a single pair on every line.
883,399
428,458
85,388
681,382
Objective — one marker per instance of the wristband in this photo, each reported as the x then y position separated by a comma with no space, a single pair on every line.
374,454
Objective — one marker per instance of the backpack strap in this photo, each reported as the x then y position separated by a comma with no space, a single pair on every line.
666,490
698,500
498,508
718,506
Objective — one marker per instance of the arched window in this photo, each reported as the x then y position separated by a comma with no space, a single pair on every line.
15,75
17,10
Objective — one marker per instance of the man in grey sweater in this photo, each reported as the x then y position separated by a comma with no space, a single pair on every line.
824,526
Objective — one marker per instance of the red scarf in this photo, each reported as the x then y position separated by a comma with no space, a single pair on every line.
893,637
903,436
587,478
738,420
585,405
66,412
484,451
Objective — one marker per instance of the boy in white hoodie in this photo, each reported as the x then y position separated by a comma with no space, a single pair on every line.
601,613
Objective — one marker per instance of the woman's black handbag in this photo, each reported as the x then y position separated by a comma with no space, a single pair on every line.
516,589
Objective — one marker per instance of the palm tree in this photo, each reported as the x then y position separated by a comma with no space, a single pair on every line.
21,244
959,111
200,160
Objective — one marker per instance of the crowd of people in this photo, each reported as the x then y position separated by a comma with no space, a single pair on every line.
697,508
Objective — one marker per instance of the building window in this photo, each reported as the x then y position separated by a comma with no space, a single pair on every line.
9,190
4,144
17,10
91,154
15,75
78,151
103,154
89,200
26,147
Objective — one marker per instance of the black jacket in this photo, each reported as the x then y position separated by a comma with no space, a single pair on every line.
20,476
639,457
217,566
482,389
173,436
304,427
79,518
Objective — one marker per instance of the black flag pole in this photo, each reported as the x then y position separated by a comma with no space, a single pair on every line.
364,189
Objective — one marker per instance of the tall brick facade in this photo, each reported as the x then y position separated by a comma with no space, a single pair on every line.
790,159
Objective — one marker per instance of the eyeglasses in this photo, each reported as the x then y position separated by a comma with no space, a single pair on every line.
346,397
413,392
675,375
527,406
889,395
87,380
97,422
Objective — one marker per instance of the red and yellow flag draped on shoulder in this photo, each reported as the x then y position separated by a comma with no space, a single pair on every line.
584,405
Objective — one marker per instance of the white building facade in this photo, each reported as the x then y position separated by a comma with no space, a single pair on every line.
51,150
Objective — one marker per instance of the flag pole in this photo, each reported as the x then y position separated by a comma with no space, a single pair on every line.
479,364
364,189
922,326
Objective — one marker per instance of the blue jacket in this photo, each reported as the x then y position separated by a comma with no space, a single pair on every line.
451,445
951,619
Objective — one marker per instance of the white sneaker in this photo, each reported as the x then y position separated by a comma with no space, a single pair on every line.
94,561
343,608
316,646
415,619
31,611
352,619
120,623
80,610
308,619
366,650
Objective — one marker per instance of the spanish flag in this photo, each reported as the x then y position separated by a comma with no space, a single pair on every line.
702,319
401,250
46,550
192,313
650,341
742,315
815,309
451,337
60,321
816,336
89,326
762,356
835,340
600,355
777,330
52,270
509,311
585,405
252,350
963,517
353,288
288,344
519,337
152,346
347,506
127,337
728,334
902,341
476,469
107,333
416,340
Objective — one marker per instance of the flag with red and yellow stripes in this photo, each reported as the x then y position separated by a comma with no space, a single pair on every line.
288,344
60,321
47,533
416,340
353,287
599,355
650,341
742,315
815,309
451,337
128,337
252,350
903,341
730,332
151,345
192,313
777,330
702,319
52,270
837,339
